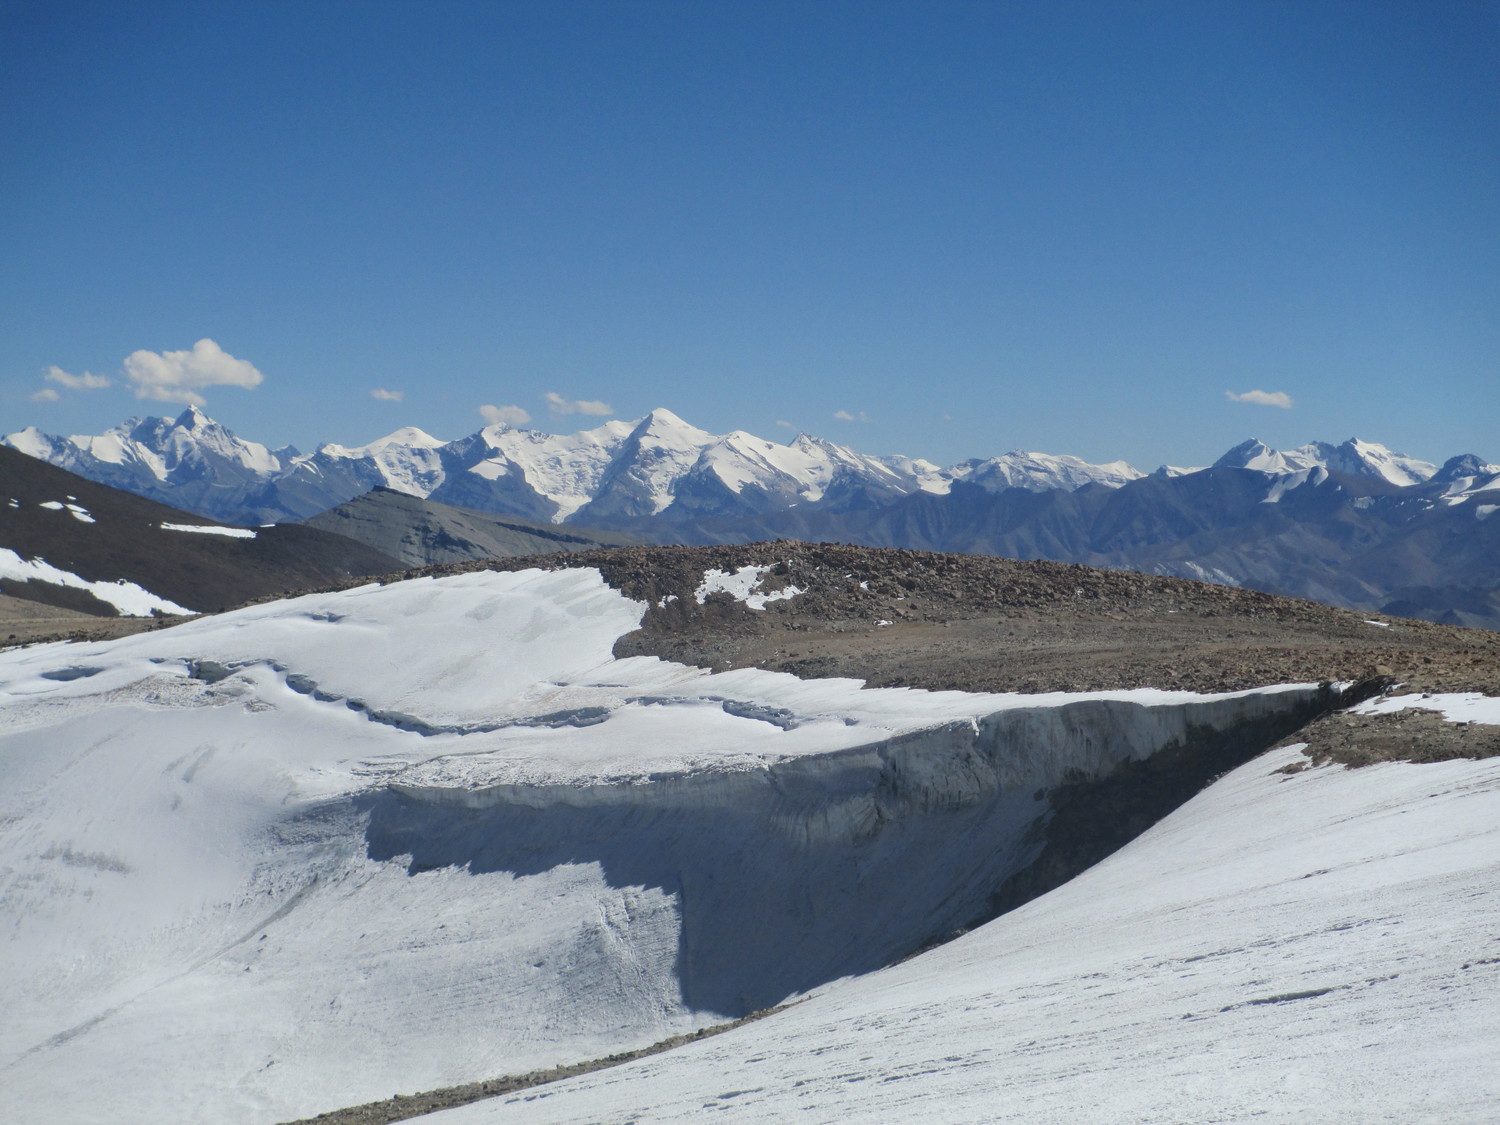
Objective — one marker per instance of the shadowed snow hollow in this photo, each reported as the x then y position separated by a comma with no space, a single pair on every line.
318,851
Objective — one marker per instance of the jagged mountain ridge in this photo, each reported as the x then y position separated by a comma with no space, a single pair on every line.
658,467
1355,457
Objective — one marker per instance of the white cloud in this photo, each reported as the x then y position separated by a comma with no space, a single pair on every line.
46,394
851,416
559,405
1262,398
504,415
179,376
387,396
784,424
84,382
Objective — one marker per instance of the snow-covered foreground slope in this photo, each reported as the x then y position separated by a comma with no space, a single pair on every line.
319,851
1321,947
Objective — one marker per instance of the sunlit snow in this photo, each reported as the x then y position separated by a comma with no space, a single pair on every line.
1456,707
128,598
743,585
228,532
77,511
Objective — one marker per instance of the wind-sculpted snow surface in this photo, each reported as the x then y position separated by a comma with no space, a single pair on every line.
318,851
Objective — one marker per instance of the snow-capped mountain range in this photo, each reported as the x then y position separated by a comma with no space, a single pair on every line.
660,467
619,470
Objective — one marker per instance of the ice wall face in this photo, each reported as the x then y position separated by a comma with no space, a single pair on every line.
315,852
823,866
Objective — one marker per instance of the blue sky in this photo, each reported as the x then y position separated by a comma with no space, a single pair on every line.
966,227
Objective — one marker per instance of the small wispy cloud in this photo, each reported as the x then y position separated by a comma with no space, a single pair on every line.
503,415
851,415
785,425
46,394
179,376
1262,398
387,396
85,382
559,405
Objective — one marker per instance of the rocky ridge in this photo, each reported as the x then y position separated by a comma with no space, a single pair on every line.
976,623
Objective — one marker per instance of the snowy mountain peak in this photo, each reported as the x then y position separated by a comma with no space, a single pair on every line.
1240,457
194,434
32,442
1355,457
192,418
1256,454
667,428
661,417
1464,466
1369,459
640,477
407,437
1041,472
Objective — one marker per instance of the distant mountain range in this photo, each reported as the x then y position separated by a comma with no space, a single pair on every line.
658,467
1353,524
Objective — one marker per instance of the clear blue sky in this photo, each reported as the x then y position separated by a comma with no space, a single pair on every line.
1040,225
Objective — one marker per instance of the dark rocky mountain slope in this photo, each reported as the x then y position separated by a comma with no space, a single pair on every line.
103,535
419,532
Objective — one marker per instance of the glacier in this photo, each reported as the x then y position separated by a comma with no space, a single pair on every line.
318,851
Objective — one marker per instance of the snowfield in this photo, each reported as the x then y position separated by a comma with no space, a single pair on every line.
201,529
1455,707
316,852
